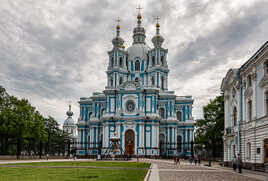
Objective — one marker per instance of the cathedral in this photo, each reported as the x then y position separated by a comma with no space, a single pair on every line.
136,105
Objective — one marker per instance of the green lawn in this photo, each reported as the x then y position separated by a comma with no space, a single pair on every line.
89,164
74,174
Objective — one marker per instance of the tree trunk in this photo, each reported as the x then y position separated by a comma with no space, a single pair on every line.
18,148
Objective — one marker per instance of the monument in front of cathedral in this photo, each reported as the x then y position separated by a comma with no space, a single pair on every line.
136,105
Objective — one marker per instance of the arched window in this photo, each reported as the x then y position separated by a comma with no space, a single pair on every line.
179,143
266,67
153,81
121,61
136,79
249,110
179,116
162,113
137,65
235,116
102,112
266,102
153,61
120,80
112,61
162,82
162,60
89,115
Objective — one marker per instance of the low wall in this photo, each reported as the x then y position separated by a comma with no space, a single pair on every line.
35,157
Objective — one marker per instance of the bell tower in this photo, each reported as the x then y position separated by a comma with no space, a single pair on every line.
118,65
158,61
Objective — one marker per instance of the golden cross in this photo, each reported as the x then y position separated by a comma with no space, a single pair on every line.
157,19
118,20
139,8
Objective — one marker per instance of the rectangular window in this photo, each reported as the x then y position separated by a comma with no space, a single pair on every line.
249,110
266,102
266,67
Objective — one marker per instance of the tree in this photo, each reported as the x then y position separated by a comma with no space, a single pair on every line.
24,130
211,128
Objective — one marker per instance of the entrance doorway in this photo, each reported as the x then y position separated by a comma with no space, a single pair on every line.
266,151
162,144
129,142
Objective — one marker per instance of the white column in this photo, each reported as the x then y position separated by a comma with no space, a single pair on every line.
140,137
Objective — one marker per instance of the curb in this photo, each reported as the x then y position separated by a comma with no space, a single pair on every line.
148,174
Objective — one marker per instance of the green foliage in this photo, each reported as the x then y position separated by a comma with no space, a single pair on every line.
211,128
23,129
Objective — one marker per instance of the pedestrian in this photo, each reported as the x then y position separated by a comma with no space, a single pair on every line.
190,159
178,160
47,156
175,160
195,160
239,163
234,162
199,160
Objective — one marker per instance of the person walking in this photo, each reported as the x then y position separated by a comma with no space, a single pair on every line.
239,163
199,160
195,160
234,162
178,160
175,160
191,159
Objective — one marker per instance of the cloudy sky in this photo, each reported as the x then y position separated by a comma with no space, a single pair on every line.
55,51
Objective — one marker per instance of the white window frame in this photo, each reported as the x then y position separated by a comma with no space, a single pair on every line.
248,151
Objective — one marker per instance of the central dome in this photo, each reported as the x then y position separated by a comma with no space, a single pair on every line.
138,50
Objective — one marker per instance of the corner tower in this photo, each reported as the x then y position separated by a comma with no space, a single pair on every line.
117,69
157,65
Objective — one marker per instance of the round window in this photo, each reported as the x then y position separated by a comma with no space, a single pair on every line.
130,105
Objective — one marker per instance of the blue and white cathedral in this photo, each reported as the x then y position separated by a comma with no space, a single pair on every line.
136,105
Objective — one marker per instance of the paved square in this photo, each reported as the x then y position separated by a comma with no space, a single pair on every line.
164,170
202,176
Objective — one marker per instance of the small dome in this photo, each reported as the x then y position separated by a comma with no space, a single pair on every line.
69,122
118,27
138,50
157,25
69,113
118,41
158,40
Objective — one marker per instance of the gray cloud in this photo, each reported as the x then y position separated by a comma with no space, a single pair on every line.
52,52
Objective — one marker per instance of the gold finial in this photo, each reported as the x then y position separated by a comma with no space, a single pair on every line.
139,14
118,21
123,46
157,22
